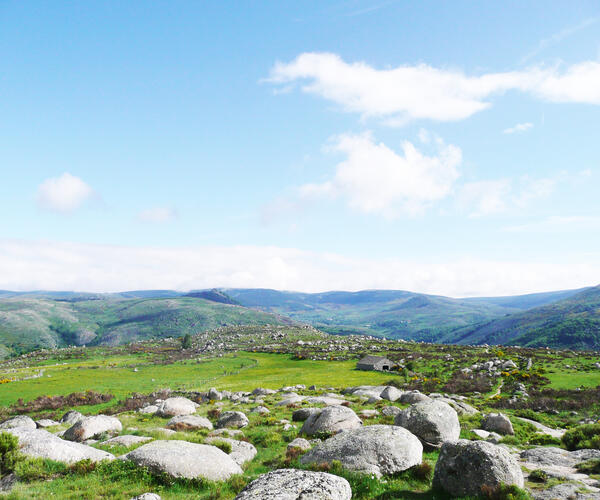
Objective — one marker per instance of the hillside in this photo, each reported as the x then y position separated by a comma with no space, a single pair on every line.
28,322
573,322
393,313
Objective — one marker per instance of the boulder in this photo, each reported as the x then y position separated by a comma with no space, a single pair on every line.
189,423
324,400
147,496
391,394
241,451
413,397
374,449
464,467
294,484
214,395
331,420
127,440
148,410
261,410
368,413
497,422
90,427
174,407
299,443
71,417
21,421
46,422
290,400
184,459
433,422
226,432
39,443
233,419
259,391
303,413
390,411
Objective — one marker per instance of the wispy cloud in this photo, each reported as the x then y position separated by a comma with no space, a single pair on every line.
158,215
557,222
519,127
557,37
64,194
405,93
39,265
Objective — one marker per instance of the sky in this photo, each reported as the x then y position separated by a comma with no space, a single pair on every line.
440,147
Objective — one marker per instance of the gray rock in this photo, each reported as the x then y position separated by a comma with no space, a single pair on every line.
261,410
147,496
46,422
259,391
368,413
301,443
293,484
232,419
174,407
148,410
225,433
413,397
552,456
71,417
331,420
127,440
90,427
497,422
570,491
390,411
290,400
39,443
189,423
433,422
241,451
303,413
374,449
391,394
183,459
21,421
214,395
8,482
464,467
324,400
462,408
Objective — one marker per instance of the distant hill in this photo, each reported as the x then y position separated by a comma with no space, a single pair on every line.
393,313
32,322
573,322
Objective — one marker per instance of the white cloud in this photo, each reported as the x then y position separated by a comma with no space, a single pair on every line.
501,195
39,265
63,194
424,92
519,127
158,215
375,179
554,223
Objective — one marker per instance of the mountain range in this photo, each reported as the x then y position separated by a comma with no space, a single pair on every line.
39,319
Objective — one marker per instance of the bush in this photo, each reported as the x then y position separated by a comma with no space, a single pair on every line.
589,466
538,476
222,445
504,492
9,453
544,440
583,436
422,472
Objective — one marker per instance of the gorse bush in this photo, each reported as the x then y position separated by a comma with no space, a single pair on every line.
9,453
584,436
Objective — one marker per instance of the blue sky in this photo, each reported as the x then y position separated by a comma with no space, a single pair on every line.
442,147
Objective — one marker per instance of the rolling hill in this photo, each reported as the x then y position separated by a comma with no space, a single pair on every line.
393,313
573,322
32,321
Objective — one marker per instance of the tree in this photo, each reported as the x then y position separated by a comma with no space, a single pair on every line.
186,341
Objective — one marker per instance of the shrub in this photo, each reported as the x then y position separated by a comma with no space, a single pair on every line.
589,466
39,469
504,492
9,453
422,472
583,436
538,476
544,440
214,413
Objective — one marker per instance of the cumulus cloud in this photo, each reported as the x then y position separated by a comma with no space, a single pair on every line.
375,179
158,215
423,92
38,265
519,127
63,194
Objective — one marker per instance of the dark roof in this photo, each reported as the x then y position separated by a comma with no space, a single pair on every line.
371,360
